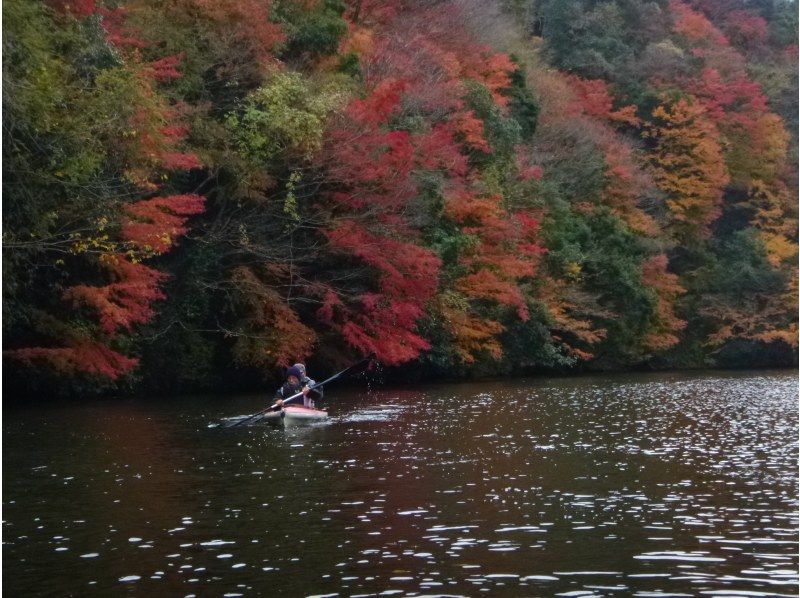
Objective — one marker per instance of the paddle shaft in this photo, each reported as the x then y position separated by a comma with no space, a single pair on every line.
300,394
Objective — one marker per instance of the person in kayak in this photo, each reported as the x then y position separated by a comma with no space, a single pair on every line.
312,395
296,381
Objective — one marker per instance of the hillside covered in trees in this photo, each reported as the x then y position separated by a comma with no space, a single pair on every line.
199,192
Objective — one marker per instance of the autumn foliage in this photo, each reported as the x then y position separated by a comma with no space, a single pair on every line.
241,184
688,165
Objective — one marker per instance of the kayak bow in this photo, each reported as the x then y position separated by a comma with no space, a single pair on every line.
295,414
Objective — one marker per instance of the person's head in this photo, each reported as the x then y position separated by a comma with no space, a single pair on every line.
300,367
294,375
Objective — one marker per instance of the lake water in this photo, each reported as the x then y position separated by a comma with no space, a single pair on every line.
679,484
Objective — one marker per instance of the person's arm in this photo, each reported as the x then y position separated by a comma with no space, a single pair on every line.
316,393
278,398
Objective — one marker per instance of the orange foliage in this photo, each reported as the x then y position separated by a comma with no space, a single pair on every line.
573,313
245,21
771,318
124,302
485,284
694,26
270,332
624,182
777,228
472,335
493,71
667,288
687,164
507,252
471,129
358,40
757,149
594,99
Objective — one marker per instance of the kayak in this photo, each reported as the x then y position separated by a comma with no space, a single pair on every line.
295,414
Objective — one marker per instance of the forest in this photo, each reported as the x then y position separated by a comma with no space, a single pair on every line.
199,193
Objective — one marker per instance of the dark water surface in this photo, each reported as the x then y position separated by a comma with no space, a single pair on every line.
644,485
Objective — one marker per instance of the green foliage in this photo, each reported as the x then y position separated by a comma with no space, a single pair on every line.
738,268
284,116
502,133
257,97
529,345
349,65
586,37
316,32
782,21
601,254
523,106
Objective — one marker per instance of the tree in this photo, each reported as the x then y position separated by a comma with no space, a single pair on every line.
688,166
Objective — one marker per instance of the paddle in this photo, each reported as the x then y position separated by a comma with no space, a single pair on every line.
349,370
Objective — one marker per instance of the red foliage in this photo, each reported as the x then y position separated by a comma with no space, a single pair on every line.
470,128
373,163
438,150
179,161
122,303
174,133
371,166
118,32
406,269
81,357
77,8
149,226
694,26
491,70
379,105
722,98
745,29
594,99
417,65
154,223
165,69
532,172
383,322
245,21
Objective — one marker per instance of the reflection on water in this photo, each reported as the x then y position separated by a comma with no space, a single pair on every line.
645,485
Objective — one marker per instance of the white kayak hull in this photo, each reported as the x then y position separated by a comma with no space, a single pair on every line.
295,414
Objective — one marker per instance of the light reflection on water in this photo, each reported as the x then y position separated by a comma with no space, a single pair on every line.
646,485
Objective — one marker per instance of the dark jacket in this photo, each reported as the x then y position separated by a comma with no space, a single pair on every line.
316,393
288,390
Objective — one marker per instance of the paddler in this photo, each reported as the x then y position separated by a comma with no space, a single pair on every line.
309,383
295,384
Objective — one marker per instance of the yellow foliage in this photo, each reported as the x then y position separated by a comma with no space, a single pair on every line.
471,335
778,248
687,164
